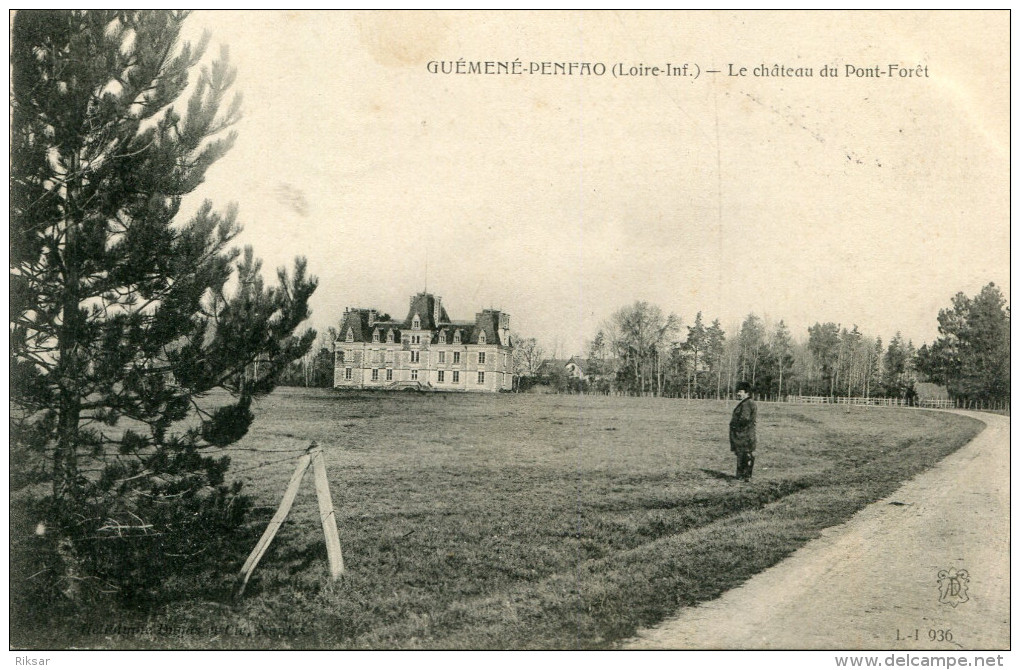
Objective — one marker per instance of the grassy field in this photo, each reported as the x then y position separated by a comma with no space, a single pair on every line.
521,522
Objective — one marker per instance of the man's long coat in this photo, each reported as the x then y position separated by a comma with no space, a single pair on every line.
742,426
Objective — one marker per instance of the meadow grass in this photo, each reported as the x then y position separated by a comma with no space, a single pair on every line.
519,521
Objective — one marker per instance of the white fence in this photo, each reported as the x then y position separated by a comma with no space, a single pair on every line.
942,403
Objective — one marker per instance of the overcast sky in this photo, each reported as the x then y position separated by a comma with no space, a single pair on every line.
559,199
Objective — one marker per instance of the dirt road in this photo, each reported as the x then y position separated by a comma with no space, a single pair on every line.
873,582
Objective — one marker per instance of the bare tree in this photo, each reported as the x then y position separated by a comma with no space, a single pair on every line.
641,336
527,357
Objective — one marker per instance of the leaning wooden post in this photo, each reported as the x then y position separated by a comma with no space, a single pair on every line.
275,522
327,513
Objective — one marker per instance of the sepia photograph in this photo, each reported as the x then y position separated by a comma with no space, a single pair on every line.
612,331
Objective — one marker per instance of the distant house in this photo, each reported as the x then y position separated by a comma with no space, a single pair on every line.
560,374
427,350
575,368
572,367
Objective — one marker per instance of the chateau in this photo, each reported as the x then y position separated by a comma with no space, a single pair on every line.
426,350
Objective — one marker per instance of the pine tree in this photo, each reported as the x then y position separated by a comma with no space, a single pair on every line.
715,350
122,316
694,347
873,368
898,368
971,356
823,343
781,356
851,343
752,349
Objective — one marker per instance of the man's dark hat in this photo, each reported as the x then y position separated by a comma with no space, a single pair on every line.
743,386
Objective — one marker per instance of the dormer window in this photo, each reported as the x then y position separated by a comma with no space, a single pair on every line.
375,335
350,334
389,337
481,337
442,337
416,322
456,337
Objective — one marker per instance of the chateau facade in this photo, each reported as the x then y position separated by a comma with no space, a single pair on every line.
427,350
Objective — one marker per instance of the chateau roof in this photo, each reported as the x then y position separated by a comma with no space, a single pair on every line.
426,306
487,321
356,321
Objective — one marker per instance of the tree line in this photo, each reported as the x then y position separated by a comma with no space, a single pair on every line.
640,350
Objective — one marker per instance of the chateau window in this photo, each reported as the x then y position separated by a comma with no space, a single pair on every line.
481,338
415,356
350,334
481,377
456,337
456,358
481,358
456,376
442,356
375,336
348,374
375,374
416,323
442,337
414,375
416,339
441,375
389,374
389,337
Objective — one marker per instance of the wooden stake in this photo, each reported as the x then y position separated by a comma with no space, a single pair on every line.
328,515
275,522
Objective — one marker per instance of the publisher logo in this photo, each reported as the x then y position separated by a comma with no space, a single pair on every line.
953,586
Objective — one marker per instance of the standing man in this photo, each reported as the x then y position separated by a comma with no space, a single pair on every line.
742,431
